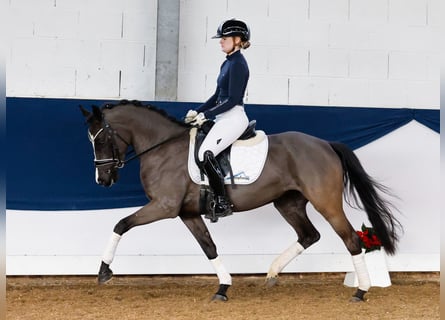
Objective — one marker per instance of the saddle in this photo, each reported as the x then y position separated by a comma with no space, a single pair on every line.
206,196
224,157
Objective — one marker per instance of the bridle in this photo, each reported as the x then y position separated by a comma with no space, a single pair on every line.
112,134
116,159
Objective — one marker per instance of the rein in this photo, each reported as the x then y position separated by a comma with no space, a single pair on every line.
147,150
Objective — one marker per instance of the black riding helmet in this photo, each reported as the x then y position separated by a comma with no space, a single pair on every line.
232,28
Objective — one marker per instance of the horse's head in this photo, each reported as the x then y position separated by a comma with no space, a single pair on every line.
108,151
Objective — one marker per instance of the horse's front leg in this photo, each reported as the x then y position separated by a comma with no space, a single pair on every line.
151,212
199,230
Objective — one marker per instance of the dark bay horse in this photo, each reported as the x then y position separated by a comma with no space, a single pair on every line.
299,169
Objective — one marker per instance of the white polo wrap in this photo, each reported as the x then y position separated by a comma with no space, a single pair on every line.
223,276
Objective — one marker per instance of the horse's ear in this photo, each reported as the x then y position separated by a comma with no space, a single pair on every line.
97,113
85,112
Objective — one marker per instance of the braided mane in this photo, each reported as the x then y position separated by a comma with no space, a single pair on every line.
148,106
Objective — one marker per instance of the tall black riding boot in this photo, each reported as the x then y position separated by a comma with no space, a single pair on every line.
216,181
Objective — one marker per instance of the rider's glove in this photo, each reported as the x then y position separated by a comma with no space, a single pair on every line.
199,120
190,116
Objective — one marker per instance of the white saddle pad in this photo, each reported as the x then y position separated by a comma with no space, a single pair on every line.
247,158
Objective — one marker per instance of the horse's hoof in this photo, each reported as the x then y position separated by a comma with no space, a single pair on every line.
104,278
270,282
359,296
105,273
219,297
355,299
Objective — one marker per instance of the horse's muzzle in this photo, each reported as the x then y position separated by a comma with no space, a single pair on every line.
107,178
105,183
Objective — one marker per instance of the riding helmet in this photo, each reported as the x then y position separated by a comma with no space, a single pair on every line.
232,28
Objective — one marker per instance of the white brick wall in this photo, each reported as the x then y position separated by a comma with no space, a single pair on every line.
293,63
381,53
368,64
407,66
72,48
412,12
309,91
377,53
328,10
291,10
329,63
276,93
368,11
307,34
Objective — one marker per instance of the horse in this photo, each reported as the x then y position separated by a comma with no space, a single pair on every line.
298,169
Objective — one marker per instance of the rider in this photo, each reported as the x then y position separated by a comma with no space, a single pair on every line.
226,106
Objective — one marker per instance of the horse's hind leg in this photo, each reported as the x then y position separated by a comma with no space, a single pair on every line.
292,206
335,215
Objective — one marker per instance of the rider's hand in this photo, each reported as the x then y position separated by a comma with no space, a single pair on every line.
190,116
199,120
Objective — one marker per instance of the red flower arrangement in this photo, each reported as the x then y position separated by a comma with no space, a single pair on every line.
368,239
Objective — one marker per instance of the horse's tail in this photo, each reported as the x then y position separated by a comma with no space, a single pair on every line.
378,209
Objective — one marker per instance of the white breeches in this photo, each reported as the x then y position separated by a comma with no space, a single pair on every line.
228,127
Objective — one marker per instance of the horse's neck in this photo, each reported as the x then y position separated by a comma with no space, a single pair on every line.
148,128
